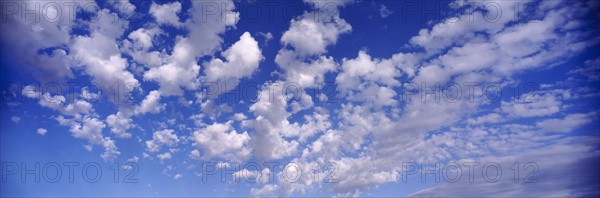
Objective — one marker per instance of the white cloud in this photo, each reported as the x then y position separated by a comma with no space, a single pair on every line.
90,96
160,138
205,29
138,46
120,124
83,123
242,60
204,38
239,117
177,176
42,131
212,138
91,130
304,74
110,150
121,121
368,79
181,72
150,104
532,105
266,190
142,38
271,123
164,156
166,13
101,58
309,37
566,124
195,154
365,139
122,6
252,176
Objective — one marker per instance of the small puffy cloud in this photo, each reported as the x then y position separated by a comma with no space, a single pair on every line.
120,124
309,37
110,149
80,117
242,59
222,141
142,38
306,73
100,56
252,175
164,156
180,72
178,176
122,6
150,104
138,46
266,190
166,13
239,117
90,128
195,154
204,38
42,131
160,138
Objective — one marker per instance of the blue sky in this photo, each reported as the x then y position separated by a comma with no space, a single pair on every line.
355,98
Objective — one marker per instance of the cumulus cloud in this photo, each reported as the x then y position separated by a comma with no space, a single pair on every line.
242,60
121,122
101,58
166,13
164,156
222,141
139,46
308,36
166,137
181,69
42,131
80,117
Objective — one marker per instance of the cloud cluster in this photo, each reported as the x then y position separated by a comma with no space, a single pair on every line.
365,134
